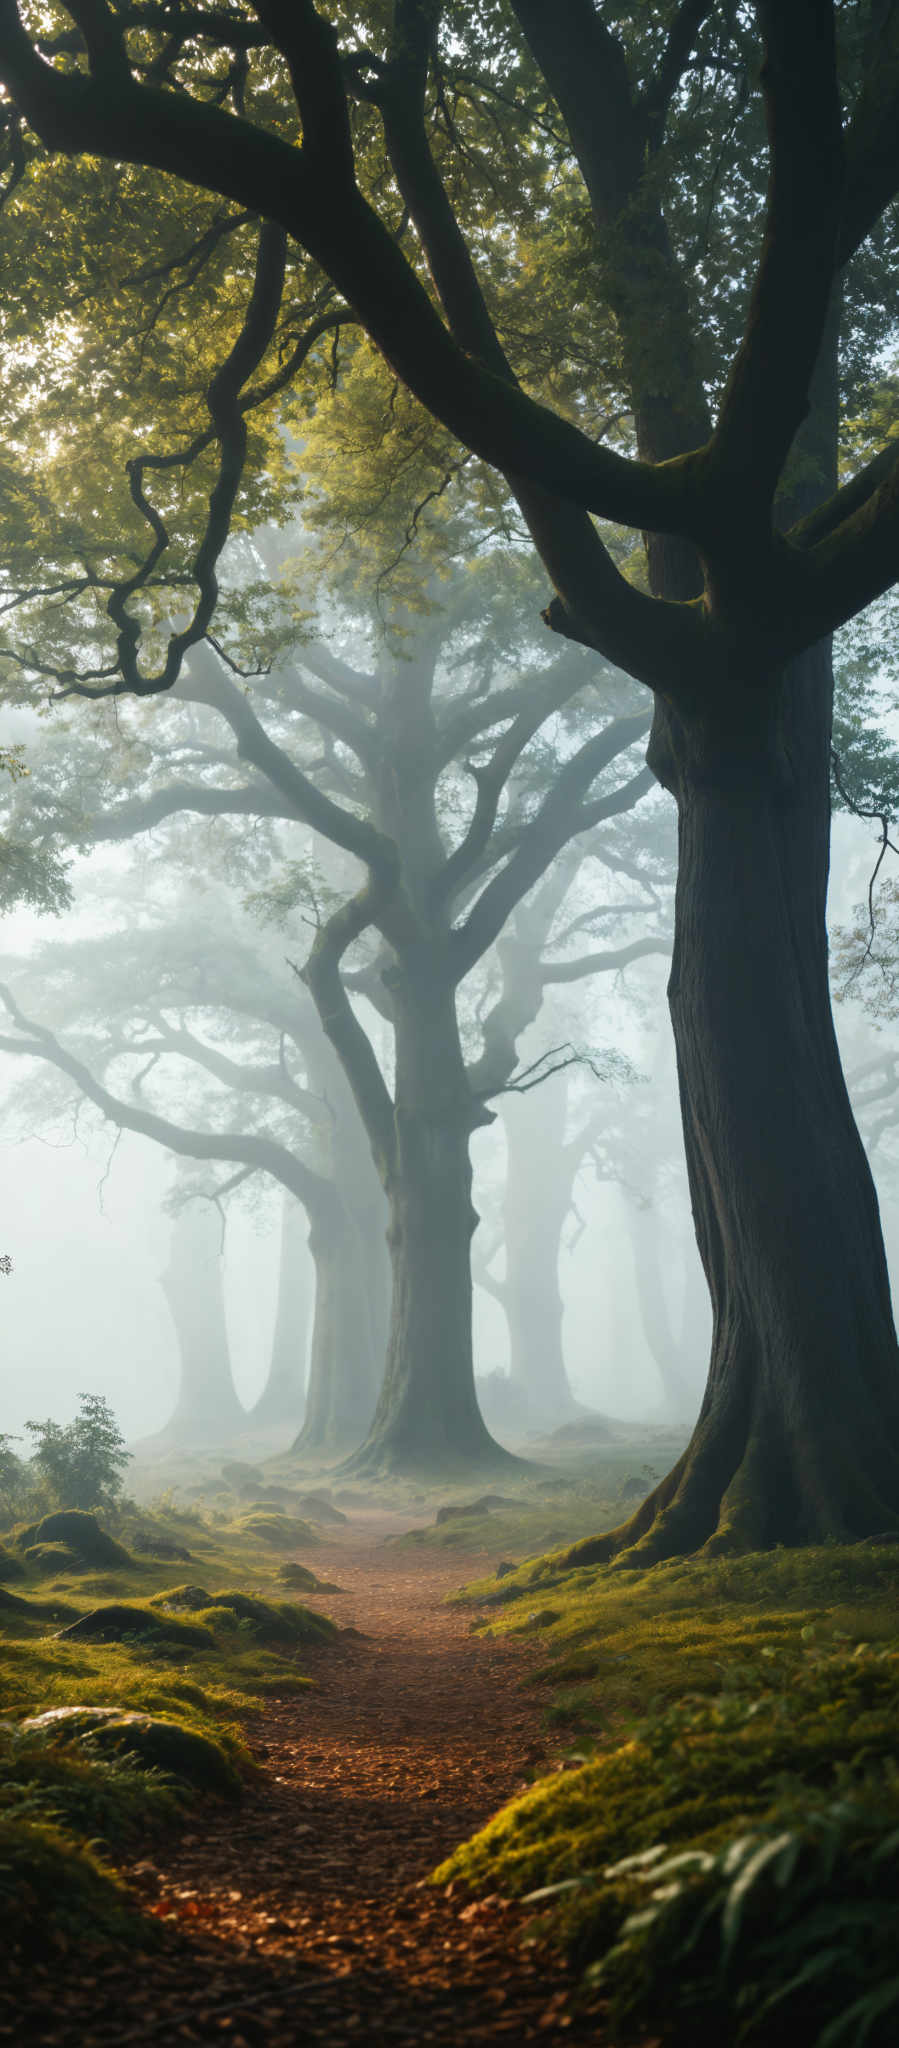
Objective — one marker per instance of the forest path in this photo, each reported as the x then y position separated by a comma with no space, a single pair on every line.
301,1917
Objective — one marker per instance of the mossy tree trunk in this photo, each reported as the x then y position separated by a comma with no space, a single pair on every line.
798,1436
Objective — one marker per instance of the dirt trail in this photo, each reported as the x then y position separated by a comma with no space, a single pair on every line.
301,1918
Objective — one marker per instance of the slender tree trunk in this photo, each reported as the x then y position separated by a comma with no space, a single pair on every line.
798,1436
427,1418
537,1201
679,1400
283,1397
208,1411
344,1365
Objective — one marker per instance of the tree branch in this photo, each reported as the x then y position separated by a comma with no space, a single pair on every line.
340,1024
273,1080
209,684
226,154
558,820
263,1155
608,962
766,397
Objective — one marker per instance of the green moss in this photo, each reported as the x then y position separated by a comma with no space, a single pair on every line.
283,1532
45,1773
695,1766
152,1743
50,1885
125,1621
731,1697
11,1567
81,1533
52,1560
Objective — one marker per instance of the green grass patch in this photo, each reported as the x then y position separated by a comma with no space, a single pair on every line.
549,1514
282,1532
735,1712
91,1636
52,1887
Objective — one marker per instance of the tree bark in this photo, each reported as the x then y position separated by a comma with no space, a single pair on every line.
344,1362
283,1397
207,1411
798,1436
539,1177
427,1419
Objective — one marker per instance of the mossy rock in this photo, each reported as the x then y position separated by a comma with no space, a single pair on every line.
158,1745
301,1578
81,1533
114,1623
283,1532
46,1882
183,1599
283,1622
12,1603
148,1544
11,1567
320,1508
236,1473
483,1506
49,1558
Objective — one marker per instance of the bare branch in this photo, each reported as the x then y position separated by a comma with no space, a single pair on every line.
261,1154
560,817
611,961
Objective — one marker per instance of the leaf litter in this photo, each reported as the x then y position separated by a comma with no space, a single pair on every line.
306,1916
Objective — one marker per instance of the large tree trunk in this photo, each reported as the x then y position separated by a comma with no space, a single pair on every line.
798,1435
344,1366
427,1419
208,1412
283,1397
539,1174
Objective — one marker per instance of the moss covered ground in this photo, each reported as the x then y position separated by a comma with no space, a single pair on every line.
720,1850
547,1507
189,1641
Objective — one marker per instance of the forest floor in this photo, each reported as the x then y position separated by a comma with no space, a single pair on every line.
303,1916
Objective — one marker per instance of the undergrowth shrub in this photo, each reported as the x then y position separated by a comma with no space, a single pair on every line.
783,1935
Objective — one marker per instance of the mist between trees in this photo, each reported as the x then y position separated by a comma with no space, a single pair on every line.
539,288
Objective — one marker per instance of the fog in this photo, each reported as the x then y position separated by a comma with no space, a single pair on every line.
83,1216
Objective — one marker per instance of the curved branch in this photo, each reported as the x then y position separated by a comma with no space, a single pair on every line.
209,684
608,962
491,780
229,155
560,818
142,814
275,1080
340,1024
263,1155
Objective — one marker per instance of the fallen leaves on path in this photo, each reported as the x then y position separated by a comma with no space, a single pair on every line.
303,1916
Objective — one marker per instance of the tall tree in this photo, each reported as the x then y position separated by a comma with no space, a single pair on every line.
396,741
752,557
207,1411
184,1017
283,1397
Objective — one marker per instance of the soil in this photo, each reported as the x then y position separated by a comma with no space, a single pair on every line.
304,1915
